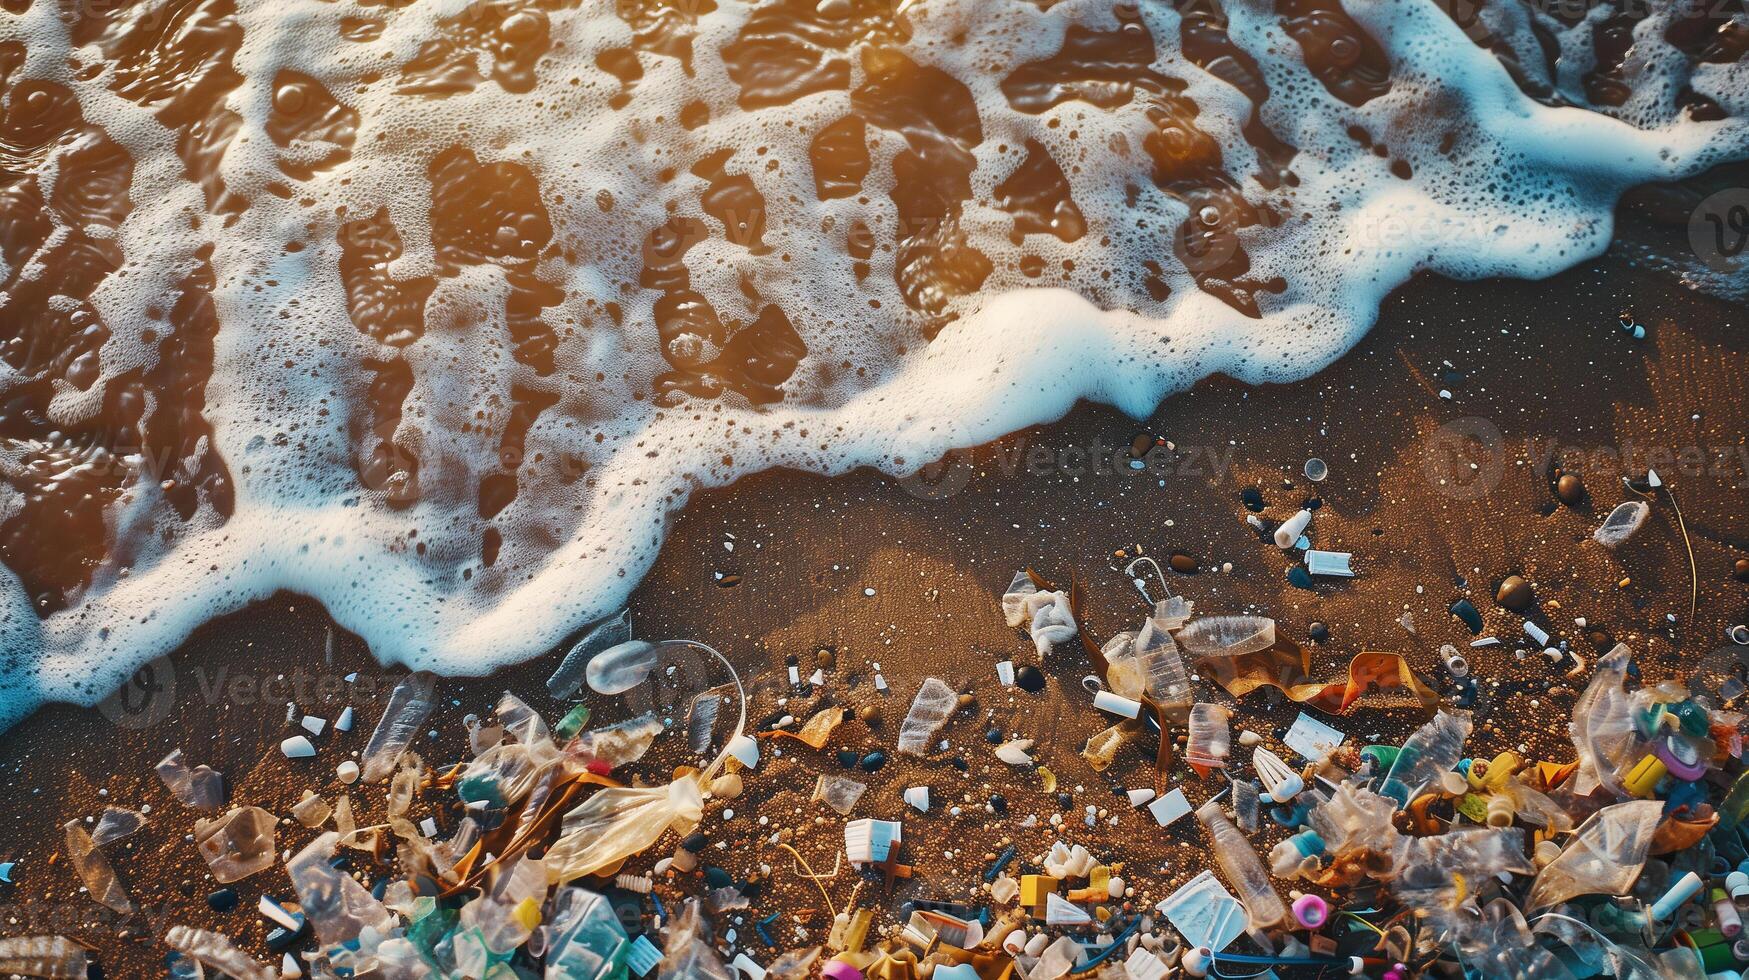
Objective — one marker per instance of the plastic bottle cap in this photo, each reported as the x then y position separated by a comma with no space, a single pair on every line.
1311,911
1737,883
1196,962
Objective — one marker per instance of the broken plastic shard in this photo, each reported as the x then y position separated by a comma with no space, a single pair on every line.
1059,911
312,810
94,870
200,787
410,703
218,952
1621,523
609,632
238,844
54,957
584,938
1057,960
622,666
1603,724
930,709
115,824
616,745
336,905
1227,636
691,954
701,719
839,792
1603,857
1173,613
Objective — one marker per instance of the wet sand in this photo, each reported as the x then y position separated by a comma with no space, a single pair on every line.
908,574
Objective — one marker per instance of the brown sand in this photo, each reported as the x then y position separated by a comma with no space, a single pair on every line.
1545,363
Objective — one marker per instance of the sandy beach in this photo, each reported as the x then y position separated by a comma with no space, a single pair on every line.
1440,432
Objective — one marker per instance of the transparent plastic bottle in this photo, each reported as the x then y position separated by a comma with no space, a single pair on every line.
1242,867
1432,751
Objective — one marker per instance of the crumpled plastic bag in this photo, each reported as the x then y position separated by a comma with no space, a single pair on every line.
1603,726
585,940
621,821
1045,615
1443,871
1605,855
1496,942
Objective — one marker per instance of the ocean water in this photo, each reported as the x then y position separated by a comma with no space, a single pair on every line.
437,310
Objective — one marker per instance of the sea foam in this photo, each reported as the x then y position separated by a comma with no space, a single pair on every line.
492,285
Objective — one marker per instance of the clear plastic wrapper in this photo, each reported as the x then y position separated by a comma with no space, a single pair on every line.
410,703
200,787
115,824
615,745
347,919
1603,857
217,952
1227,636
690,954
94,869
1046,615
622,667
1603,725
584,938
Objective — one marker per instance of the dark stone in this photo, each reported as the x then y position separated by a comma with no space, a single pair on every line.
223,900
1466,610
1571,489
1253,499
1065,801
718,878
1741,570
1318,632
1029,679
1141,445
1515,594
993,736
1183,564
847,758
998,802
873,761
1299,577
695,842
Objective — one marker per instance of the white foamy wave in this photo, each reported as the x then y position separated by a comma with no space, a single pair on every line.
459,381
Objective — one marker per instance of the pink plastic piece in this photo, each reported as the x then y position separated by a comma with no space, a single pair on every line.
1311,911
839,970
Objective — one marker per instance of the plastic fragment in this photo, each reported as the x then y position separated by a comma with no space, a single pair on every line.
1210,739
1241,865
610,632
115,824
1604,856
95,870
200,787
930,709
1430,752
53,957
1621,524
616,745
238,844
216,951
839,792
410,703
1227,636
1329,563
622,666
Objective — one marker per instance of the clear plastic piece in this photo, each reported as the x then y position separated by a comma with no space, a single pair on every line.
410,703
53,957
200,787
218,952
838,792
115,824
1427,755
1621,523
609,632
1604,856
1210,740
622,667
94,869
1227,636
238,844
584,938
1244,870
339,909
930,709
1045,615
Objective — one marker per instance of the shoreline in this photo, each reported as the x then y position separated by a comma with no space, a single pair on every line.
906,574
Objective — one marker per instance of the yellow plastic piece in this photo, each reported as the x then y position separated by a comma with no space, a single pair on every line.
527,914
1034,888
1644,776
